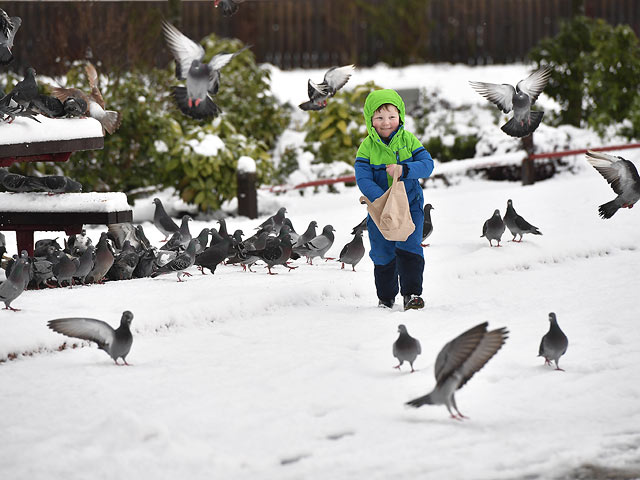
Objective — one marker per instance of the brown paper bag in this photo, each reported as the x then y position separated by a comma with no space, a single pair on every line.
390,212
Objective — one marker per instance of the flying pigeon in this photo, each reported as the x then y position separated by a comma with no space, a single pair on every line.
519,99
427,226
163,221
109,119
516,224
182,261
493,228
554,343
624,180
202,78
334,79
117,343
8,28
458,361
14,285
406,348
229,7
318,246
353,251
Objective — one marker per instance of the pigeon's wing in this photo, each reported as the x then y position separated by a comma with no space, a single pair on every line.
418,346
64,93
501,95
535,83
489,345
522,224
337,77
484,228
5,23
184,50
620,173
455,353
320,242
220,60
85,328
92,75
316,90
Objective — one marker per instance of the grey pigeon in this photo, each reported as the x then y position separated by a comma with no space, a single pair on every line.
406,348
229,7
493,228
54,184
25,90
458,361
141,237
180,239
146,263
519,99
362,226
308,234
516,224
180,263
77,243
65,269
213,256
14,182
42,271
276,251
104,260
250,244
353,251
163,221
124,263
109,119
202,78
3,245
14,285
8,28
75,106
624,180
203,239
334,79
117,343
277,220
86,263
554,343
119,233
318,246
292,232
427,226
48,106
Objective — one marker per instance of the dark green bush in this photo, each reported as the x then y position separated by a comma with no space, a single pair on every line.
596,68
464,146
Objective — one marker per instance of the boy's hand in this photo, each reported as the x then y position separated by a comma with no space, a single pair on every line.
392,167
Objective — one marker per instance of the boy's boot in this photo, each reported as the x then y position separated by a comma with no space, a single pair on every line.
410,268
386,278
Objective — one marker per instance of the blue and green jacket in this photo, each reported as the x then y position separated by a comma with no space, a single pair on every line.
374,154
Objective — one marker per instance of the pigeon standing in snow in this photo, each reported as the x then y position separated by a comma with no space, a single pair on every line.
406,348
318,246
229,7
103,261
202,79
8,28
493,228
214,255
26,90
163,221
519,99
554,343
276,221
277,251
624,180
65,269
180,263
86,263
109,119
334,79
458,361
427,226
353,251
14,285
117,343
516,224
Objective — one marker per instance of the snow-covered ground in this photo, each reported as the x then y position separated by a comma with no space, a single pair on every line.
245,375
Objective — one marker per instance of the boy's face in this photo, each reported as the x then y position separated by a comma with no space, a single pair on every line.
386,120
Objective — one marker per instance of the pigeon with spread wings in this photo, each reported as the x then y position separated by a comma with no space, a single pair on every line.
109,119
203,79
519,99
334,79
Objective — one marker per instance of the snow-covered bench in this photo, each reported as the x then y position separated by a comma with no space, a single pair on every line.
25,140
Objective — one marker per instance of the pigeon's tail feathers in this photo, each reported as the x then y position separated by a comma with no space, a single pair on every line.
535,230
310,106
203,111
607,210
111,121
515,129
418,402
6,57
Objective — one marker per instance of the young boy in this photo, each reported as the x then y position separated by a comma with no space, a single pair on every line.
387,147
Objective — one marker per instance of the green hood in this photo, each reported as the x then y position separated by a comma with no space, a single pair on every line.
376,99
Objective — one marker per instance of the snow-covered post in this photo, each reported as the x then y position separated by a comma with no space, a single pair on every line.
247,195
528,171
